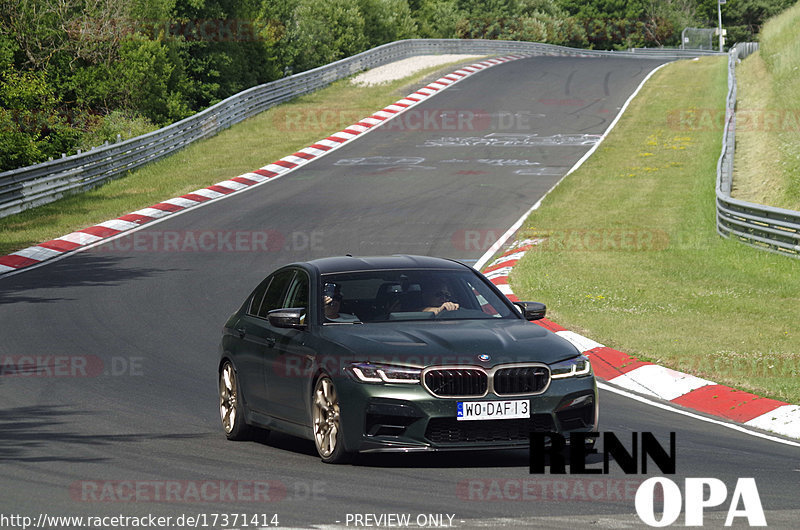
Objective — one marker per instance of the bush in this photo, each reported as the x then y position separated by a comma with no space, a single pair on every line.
118,122
32,124
323,32
438,19
387,21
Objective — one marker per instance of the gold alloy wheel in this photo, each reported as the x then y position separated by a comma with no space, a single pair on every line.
326,417
228,390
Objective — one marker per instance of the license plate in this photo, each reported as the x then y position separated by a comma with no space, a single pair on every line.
493,410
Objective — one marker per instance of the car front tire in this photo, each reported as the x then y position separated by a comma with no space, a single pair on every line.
325,412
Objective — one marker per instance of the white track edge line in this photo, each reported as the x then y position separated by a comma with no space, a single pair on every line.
510,232
674,408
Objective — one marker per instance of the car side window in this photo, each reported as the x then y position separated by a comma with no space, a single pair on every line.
257,297
298,291
274,295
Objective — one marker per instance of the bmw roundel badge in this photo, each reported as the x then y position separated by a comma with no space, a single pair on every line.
484,357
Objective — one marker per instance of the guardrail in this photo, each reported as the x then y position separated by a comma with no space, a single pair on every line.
39,184
765,227
677,52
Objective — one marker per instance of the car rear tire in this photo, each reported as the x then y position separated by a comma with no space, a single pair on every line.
231,406
328,436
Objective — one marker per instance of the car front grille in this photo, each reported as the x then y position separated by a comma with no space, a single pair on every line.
452,431
475,381
452,382
520,380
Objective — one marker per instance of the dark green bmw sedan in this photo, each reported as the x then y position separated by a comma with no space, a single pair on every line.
397,353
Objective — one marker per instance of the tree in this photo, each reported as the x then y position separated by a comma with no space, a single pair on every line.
438,19
387,21
31,123
323,32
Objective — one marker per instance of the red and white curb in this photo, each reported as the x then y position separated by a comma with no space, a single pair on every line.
82,239
629,373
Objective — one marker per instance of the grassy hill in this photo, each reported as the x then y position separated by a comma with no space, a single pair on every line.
767,163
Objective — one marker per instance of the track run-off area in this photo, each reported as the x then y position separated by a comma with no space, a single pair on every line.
128,422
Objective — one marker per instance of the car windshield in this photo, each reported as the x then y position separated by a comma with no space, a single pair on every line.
392,295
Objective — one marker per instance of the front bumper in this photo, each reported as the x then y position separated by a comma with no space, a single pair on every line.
406,418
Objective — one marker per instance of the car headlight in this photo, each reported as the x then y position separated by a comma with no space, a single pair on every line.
383,373
575,367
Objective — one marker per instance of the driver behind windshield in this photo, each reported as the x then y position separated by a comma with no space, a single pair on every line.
438,300
332,301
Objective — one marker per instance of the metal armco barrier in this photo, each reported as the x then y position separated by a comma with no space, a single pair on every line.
39,184
764,227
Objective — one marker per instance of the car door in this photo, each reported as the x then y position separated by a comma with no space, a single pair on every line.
257,339
291,358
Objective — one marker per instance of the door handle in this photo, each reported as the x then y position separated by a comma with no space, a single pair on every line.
242,332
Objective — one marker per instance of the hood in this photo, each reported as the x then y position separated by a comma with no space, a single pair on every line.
424,343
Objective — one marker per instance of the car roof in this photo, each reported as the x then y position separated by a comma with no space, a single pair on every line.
356,263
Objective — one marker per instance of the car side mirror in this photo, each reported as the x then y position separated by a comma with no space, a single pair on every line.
290,317
532,310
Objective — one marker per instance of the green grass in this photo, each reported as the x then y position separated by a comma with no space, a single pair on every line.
767,162
244,147
631,257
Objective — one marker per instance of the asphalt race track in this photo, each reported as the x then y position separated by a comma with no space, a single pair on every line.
128,423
